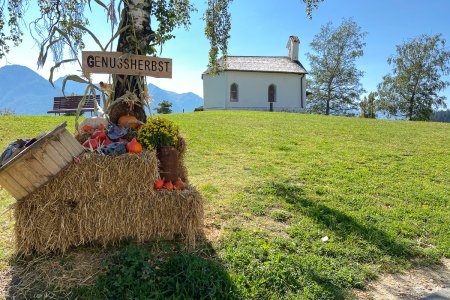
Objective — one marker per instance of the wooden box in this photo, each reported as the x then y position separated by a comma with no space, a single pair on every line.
40,162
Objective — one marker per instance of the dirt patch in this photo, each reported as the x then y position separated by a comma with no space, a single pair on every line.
212,230
412,284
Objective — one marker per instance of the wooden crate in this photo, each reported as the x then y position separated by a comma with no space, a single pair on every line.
40,162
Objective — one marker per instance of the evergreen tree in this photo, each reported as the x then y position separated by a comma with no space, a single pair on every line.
368,106
164,107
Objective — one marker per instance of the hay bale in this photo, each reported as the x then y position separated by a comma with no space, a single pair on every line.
106,200
181,147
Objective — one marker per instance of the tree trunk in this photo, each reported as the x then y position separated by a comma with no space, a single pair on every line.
327,110
134,40
411,107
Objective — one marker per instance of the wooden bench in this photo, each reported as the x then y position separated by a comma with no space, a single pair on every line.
69,104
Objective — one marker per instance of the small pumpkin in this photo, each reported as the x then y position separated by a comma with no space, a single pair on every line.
134,146
159,183
128,121
168,185
87,128
179,185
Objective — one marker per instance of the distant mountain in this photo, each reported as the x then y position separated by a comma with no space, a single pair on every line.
25,91
28,93
186,101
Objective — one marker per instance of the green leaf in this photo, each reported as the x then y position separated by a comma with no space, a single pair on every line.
43,55
57,65
101,4
75,78
80,107
116,35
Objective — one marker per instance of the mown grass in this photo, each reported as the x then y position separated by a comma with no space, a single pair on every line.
275,185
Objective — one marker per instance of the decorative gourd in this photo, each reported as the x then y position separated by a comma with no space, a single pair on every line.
179,185
128,121
87,128
95,122
168,185
134,146
159,183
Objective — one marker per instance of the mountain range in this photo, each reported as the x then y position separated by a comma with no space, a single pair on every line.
27,93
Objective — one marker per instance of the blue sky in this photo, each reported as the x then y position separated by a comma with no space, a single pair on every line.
263,27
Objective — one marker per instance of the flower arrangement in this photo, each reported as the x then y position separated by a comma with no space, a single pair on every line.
158,132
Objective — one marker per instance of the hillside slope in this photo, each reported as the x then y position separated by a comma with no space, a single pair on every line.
303,206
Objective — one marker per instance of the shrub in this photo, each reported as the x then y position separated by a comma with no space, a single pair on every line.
158,132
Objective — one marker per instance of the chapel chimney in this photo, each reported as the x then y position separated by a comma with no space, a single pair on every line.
292,45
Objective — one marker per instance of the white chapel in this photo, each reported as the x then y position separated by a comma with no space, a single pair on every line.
263,83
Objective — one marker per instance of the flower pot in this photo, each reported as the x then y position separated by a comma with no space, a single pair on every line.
168,162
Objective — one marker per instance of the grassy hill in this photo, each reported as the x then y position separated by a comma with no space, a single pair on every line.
297,206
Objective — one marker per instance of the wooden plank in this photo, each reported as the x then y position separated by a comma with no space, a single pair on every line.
22,181
70,104
120,63
26,172
12,186
46,162
40,169
69,110
62,151
53,153
71,143
45,159
66,145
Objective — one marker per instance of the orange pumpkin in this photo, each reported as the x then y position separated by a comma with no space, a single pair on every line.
134,146
128,121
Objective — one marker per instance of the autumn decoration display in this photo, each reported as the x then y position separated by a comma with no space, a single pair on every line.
158,135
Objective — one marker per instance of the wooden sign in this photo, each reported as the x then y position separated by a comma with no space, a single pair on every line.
120,63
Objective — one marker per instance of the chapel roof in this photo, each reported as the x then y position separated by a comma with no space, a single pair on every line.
270,64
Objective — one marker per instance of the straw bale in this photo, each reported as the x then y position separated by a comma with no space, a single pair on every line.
181,147
106,200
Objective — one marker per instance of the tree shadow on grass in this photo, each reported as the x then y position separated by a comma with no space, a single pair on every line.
160,270
341,223
279,267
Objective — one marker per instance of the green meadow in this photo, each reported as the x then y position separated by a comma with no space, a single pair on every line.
296,207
